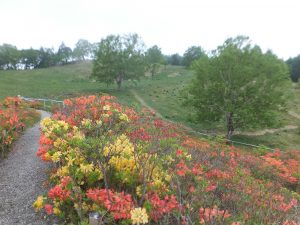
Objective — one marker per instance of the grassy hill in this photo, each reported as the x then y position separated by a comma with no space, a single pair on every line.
160,93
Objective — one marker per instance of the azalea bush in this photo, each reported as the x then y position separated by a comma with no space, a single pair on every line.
132,168
15,115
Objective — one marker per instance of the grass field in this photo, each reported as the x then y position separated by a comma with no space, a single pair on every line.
161,93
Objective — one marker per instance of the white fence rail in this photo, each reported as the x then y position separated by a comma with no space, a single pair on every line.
44,100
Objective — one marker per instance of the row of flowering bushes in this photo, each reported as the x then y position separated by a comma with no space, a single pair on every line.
132,168
15,115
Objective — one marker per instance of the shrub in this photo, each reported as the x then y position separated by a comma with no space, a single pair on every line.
133,168
15,115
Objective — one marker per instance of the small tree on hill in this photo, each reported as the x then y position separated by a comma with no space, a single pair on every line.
154,59
82,50
175,59
238,84
64,53
46,58
30,58
119,58
191,54
9,57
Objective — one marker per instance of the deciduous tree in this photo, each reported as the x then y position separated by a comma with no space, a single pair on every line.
191,54
64,53
83,50
294,66
154,59
238,84
9,57
119,58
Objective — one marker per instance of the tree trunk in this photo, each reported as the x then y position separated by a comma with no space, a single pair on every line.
229,125
119,80
152,72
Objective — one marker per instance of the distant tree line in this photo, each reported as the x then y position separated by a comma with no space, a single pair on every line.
294,67
12,58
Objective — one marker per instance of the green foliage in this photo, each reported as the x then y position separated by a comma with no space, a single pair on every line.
82,50
119,58
47,58
294,66
154,59
64,53
9,57
30,58
191,54
175,59
239,84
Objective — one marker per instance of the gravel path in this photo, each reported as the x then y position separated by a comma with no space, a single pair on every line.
21,178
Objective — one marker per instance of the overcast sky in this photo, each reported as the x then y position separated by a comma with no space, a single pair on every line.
173,25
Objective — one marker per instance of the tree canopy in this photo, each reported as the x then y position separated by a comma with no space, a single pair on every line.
294,66
191,54
64,54
238,84
154,58
174,59
82,50
9,56
119,58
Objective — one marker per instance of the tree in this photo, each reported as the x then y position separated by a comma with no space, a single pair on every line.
9,57
175,60
154,59
119,58
191,54
64,53
294,66
238,84
30,58
46,58
82,50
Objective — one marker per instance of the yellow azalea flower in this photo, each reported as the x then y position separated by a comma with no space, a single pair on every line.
138,190
45,122
106,107
39,203
99,172
158,183
189,157
60,143
139,216
85,206
70,161
86,122
99,122
56,211
167,177
63,171
95,207
56,156
63,124
124,117
86,168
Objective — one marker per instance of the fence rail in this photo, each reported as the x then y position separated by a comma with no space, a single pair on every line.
192,131
44,100
231,141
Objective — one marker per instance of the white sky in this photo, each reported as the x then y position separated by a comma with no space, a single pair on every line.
173,25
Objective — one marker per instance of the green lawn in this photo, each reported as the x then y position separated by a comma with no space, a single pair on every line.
161,93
